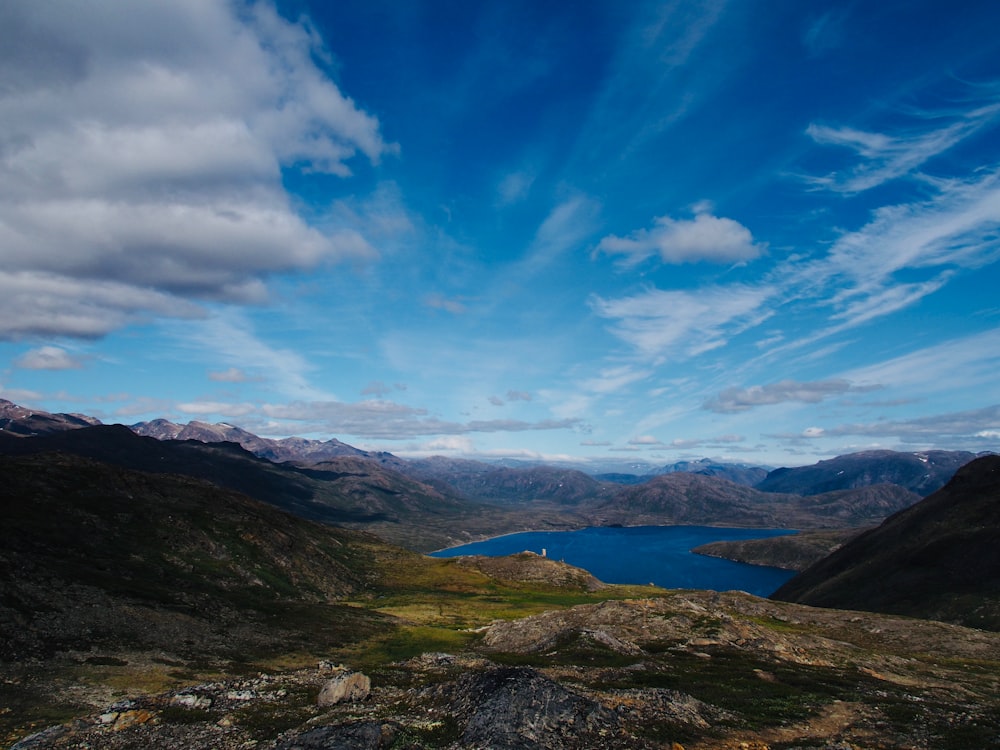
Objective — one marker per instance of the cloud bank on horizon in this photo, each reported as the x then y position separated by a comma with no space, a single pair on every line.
643,231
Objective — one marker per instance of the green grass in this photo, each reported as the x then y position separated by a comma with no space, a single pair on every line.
403,643
761,693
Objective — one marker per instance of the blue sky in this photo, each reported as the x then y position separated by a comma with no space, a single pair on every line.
591,231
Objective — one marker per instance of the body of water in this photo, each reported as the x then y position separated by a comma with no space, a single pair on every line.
643,555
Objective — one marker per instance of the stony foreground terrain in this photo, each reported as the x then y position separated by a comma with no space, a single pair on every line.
690,669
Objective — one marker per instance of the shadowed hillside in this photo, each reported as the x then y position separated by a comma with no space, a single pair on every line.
939,559
94,556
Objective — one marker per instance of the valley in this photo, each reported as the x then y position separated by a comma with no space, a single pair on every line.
174,593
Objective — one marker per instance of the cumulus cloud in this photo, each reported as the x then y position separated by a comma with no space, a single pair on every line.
48,358
705,238
733,400
141,157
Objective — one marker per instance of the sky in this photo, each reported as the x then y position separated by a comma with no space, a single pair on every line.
595,231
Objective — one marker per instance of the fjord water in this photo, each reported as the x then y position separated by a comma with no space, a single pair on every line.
643,555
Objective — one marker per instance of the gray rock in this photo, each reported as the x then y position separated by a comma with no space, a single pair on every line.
362,735
191,700
345,688
517,708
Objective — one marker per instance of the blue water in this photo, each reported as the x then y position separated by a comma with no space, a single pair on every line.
643,555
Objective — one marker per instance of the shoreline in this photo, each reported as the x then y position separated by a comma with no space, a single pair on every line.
787,532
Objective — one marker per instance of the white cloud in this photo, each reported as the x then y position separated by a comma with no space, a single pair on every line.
232,375
958,227
825,33
704,238
48,358
514,187
966,364
223,408
733,400
440,302
614,379
454,444
47,304
376,388
890,157
938,238
142,150
20,395
567,226
231,337
968,429
645,440
387,420
681,324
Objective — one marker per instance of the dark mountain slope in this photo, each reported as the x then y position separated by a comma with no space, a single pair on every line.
350,491
94,556
939,559
922,473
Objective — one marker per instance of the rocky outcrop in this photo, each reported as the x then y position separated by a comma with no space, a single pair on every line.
518,707
358,735
791,552
530,567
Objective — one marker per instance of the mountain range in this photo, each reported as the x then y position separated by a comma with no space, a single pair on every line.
176,593
433,503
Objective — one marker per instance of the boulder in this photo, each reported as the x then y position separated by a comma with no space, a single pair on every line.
345,688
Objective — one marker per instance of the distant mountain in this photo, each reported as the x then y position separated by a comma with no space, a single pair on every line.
491,483
301,450
738,473
686,498
620,478
921,472
939,559
94,557
17,420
